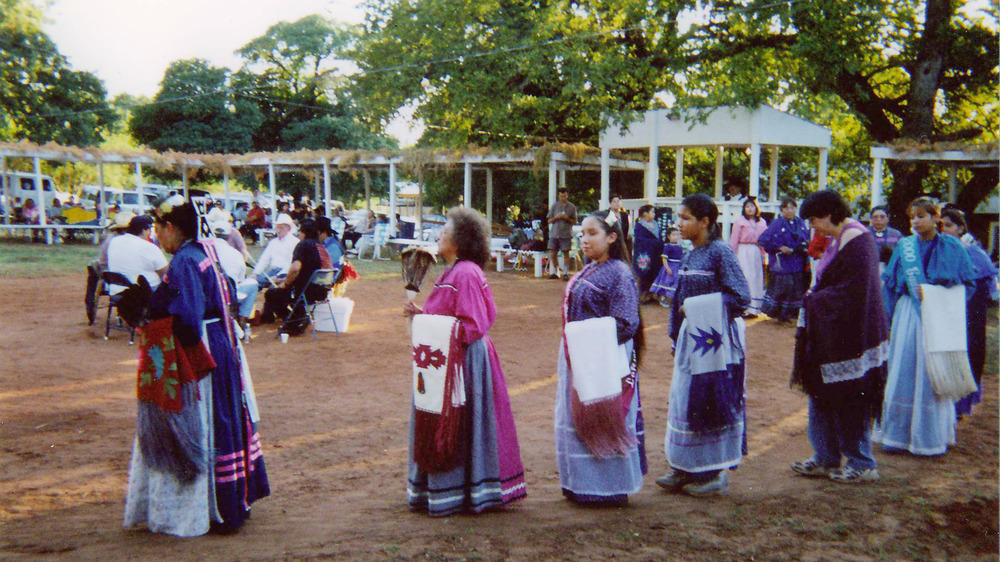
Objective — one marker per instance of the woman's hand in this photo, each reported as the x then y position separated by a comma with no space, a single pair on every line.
669,271
785,250
409,309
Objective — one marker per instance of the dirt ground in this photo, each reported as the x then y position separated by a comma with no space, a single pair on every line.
334,433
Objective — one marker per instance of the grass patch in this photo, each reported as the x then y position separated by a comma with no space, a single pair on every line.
21,258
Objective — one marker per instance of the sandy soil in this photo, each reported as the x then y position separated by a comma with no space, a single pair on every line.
334,434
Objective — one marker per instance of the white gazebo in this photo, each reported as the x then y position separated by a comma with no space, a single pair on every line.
722,128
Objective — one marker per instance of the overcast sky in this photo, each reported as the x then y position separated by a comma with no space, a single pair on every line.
129,43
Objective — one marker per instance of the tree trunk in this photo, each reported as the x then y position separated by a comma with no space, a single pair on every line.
907,185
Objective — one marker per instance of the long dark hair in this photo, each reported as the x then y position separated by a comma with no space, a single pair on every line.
701,206
619,251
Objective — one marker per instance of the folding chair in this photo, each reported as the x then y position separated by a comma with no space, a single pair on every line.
321,281
109,279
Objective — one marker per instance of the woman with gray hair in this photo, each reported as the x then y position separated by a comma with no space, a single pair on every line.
464,455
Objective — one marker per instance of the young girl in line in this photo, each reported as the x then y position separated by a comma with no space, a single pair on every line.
665,283
706,431
647,247
985,274
747,229
599,435
914,419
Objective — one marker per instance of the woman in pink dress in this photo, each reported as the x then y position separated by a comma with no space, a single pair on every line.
746,230
489,472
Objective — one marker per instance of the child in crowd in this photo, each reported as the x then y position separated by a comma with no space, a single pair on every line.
665,283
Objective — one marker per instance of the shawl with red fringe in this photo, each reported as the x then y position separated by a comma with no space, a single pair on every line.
437,427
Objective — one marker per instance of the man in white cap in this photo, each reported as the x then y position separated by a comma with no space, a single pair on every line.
277,257
220,223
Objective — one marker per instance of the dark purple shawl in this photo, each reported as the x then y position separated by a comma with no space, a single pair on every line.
841,351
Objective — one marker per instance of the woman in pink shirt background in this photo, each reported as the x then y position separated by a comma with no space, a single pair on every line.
746,230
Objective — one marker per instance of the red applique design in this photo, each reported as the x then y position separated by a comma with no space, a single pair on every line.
424,356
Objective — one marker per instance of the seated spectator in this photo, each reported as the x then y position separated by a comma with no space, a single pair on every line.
309,256
98,266
220,223
239,214
329,239
353,235
256,218
29,212
277,257
133,254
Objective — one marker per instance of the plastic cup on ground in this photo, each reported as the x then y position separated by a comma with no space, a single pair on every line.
284,338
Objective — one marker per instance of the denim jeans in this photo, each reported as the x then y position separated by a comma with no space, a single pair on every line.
246,294
840,430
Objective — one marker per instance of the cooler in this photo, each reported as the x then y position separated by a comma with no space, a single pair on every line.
342,309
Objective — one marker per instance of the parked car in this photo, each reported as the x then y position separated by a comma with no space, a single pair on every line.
21,186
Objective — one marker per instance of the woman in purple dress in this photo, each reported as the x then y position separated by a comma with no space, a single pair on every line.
489,472
600,444
785,241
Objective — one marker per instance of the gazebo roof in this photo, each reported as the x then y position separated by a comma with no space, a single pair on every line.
722,126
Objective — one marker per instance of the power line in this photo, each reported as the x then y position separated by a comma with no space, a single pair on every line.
432,62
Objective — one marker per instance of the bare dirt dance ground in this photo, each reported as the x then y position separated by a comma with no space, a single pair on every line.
334,432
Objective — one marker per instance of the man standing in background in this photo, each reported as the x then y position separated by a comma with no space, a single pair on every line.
561,218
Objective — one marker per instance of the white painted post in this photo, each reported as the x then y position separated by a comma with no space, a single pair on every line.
140,192
773,176
877,183
184,184
679,173
418,230
102,201
392,195
489,197
326,189
952,183
605,201
562,178
467,185
4,183
368,189
652,173
755,169
316,180
274,200
718,172
43,208
553,179
823,154
225,191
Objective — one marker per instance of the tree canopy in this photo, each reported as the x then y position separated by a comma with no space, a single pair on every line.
517,71
195,112
43,99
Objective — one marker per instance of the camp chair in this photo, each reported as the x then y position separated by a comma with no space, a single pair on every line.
109,279
320,282
377,240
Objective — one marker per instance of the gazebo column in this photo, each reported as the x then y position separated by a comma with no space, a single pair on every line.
605,201
326,189
43,219
876,195
467,185
184,185
679,174
274,199
772,176
489,197
225,191
755,170
652,173
392,196
719,150
6,191
102,201
553,179
140,192
823,155
952,183
316,180
368,189
418,231
562,178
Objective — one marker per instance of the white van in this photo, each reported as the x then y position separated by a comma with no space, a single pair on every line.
21,186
